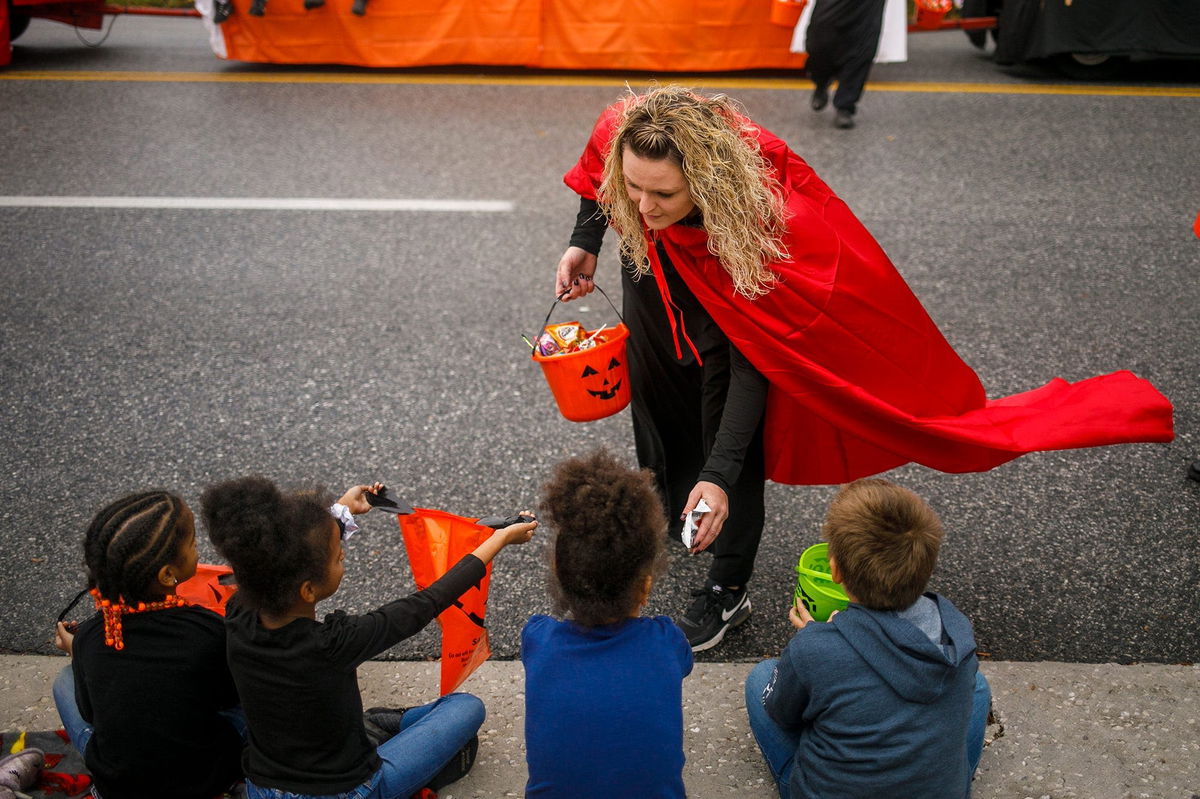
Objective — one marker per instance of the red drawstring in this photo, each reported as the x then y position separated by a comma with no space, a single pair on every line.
660,278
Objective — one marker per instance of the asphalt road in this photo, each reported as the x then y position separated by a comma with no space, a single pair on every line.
1048,234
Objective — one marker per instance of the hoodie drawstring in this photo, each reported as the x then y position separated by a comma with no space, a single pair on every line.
660,279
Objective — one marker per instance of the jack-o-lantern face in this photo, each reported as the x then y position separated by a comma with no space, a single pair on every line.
608,387
809,605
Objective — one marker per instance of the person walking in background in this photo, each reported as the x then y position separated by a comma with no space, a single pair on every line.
843,36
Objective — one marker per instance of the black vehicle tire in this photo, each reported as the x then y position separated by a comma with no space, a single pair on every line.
17,23
976,8
1090,66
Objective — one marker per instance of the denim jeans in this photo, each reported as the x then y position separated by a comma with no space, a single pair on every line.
430,735
779,746
63,690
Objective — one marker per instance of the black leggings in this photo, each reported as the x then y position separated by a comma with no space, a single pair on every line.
677,411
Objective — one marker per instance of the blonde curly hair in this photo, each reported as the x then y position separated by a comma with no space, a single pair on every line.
730,181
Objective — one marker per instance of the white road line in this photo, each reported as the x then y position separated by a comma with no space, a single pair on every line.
261,204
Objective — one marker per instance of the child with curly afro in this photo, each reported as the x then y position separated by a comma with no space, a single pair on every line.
604,684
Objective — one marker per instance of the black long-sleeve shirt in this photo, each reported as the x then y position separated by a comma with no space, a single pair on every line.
746,399
299,685
154,705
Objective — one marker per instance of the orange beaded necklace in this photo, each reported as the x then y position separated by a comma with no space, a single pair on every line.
113,611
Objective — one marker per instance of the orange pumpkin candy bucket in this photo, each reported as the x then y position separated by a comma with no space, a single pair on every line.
591,383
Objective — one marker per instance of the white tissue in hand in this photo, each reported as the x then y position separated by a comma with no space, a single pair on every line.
692,522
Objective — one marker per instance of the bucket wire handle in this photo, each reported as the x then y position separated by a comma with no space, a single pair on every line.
62,617
558,299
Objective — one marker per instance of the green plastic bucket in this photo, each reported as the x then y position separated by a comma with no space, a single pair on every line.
821,595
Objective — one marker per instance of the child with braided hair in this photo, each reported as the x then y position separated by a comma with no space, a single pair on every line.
148,698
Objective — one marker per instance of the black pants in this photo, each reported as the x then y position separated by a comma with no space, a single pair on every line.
677,410
842,38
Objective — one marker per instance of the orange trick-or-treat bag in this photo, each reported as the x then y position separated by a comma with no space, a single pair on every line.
435,541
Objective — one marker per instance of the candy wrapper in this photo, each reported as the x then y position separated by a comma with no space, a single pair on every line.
692,522
567,334
547,345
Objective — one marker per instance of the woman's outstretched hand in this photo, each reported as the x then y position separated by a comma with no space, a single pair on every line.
712,522
574,276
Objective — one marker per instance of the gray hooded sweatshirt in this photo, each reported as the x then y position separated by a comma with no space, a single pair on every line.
881,707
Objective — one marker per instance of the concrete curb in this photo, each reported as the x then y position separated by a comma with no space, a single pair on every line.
1066,730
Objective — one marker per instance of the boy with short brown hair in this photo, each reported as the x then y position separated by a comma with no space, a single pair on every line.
885,699
884,540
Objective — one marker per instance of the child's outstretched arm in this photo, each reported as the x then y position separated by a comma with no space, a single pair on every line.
513,534
354,639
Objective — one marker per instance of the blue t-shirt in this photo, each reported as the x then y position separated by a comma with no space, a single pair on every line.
604,708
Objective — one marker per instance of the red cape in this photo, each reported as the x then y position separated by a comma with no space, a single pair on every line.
861,379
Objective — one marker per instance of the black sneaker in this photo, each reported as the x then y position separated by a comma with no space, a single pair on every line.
820,98
383,723
458,766
398,712
843,120
715,611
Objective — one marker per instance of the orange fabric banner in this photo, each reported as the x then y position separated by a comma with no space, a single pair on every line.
435,541
392,33
670,35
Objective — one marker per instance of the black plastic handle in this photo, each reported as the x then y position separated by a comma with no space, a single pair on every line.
559,299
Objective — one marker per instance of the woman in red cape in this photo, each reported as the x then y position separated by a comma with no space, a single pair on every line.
749,257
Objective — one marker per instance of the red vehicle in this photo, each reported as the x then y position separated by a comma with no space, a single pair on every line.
16,14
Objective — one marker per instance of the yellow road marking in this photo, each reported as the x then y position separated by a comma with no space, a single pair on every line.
590,80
